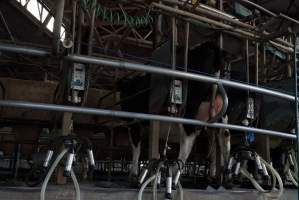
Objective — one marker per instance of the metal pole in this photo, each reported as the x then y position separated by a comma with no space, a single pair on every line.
173,73
92,24
259,7
247,64
141,116
257,63
228,28
296,96
24,50
186,47
57,25
212,12
174,41
158,37
221,35
146,68
80,23
74,25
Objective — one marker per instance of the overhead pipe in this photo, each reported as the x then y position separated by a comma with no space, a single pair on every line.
212,12
286,46
259,7
57,25
141,116
174,73
24,50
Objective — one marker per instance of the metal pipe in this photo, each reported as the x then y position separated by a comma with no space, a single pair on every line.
146,68
212,12
174,73
224,16
259,7
74,24
80,24
133,115
257,63
296,96
289,18
174,41
227,27
92,24
57,25
23,50
186,46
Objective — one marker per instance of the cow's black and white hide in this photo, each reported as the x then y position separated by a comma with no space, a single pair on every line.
206,59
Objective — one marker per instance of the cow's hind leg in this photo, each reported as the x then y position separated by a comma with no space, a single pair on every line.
186,143
136,150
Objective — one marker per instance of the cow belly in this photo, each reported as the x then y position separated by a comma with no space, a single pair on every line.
203,112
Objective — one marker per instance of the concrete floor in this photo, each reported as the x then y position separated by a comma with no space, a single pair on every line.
89,192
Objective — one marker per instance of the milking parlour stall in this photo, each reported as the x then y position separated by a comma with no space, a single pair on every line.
149,99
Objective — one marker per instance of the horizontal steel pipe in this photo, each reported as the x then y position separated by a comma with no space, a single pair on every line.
223,16
23,49
133,115
173,73
145,68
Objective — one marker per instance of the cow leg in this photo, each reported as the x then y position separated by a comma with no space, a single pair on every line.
224,145
212,152
186,143
136,150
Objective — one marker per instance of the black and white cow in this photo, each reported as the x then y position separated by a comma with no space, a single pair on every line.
203,102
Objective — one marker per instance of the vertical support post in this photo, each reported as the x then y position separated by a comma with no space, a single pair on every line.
262,141
186,47
154,140
158,37
186,52
220,5
296,96
257,63
264,77
92,24
79,35
174,41
74,25
57,25
247,64
67,126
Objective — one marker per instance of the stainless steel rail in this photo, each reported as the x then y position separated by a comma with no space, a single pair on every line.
142,116
173,73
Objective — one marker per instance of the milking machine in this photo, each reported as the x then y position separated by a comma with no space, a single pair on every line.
72,147
162,172
245,162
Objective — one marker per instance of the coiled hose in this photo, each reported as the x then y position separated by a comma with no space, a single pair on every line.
275,176
293,175
54,165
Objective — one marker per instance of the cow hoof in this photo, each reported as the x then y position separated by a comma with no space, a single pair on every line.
228,185
133,180
214,183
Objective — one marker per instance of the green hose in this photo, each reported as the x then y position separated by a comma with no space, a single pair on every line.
118,18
